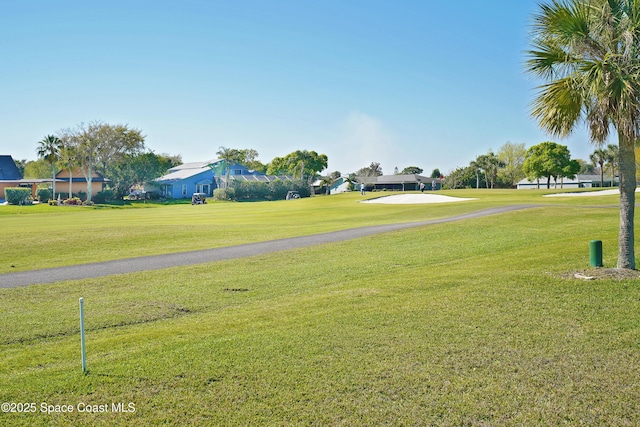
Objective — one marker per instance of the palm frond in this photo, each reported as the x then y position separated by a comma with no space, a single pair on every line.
558,106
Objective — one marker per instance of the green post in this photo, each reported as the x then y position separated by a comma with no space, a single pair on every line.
84,353
595,253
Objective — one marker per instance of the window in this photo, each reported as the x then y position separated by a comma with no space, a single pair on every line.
184,189
236,172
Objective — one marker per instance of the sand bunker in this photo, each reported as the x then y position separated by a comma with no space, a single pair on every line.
408,199
586,193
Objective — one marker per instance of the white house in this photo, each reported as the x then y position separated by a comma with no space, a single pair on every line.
580,181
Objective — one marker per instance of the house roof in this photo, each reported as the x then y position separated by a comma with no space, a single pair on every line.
257,176
394,179
194,165
188,170
8,169
185,173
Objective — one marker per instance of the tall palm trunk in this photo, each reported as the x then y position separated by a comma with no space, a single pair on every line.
70,182
627,169
601,163
53,180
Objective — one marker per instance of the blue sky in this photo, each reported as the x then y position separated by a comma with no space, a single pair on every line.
402,83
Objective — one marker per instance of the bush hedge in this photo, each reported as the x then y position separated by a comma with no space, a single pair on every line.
224,194
18,195
273,190
43,194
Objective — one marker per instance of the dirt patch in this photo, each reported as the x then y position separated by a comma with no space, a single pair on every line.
602,274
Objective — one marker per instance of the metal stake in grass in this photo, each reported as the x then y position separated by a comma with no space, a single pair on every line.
84,352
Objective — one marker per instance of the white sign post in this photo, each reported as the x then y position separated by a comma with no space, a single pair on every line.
84,353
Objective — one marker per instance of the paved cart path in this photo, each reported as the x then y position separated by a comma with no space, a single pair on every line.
156,262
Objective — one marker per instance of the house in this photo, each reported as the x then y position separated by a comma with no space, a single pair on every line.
580,181
182,181
9,174
10,177
73,182
341,185
203,177
398,182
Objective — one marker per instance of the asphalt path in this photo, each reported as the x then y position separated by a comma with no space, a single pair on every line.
157,262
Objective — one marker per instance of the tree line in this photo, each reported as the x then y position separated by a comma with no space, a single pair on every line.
544,162
118,153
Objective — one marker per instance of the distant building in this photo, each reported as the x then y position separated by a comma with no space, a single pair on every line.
398,182
9,174
580,181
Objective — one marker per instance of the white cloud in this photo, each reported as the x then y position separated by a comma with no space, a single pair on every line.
363,139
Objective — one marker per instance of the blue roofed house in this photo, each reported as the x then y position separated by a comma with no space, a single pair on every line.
9,174
182,181
203,177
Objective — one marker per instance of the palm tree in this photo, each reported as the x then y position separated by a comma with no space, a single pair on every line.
230,156
475,166
327,181
49,150
599,156
612,160
588,53
68,160
494,164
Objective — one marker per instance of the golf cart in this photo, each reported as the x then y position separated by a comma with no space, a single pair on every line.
293,195
199,199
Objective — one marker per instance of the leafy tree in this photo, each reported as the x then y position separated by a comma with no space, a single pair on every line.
586,168
278,166
599,156
301,164
374,169
460,178
512,156
307,164
37,169
134,169
21,164
547,160
588,53
490,164
98,144
249,158
49,150
68,160
475,167
411,170
436,173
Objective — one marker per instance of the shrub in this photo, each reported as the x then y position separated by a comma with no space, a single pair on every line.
74,201
251,190
18,196
224,194
104,196
43,194
278,190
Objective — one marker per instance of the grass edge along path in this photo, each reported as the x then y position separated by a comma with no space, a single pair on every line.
156,262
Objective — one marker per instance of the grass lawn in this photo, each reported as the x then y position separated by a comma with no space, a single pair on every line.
470,323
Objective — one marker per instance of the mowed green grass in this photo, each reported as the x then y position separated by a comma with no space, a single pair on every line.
469,323
43,236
